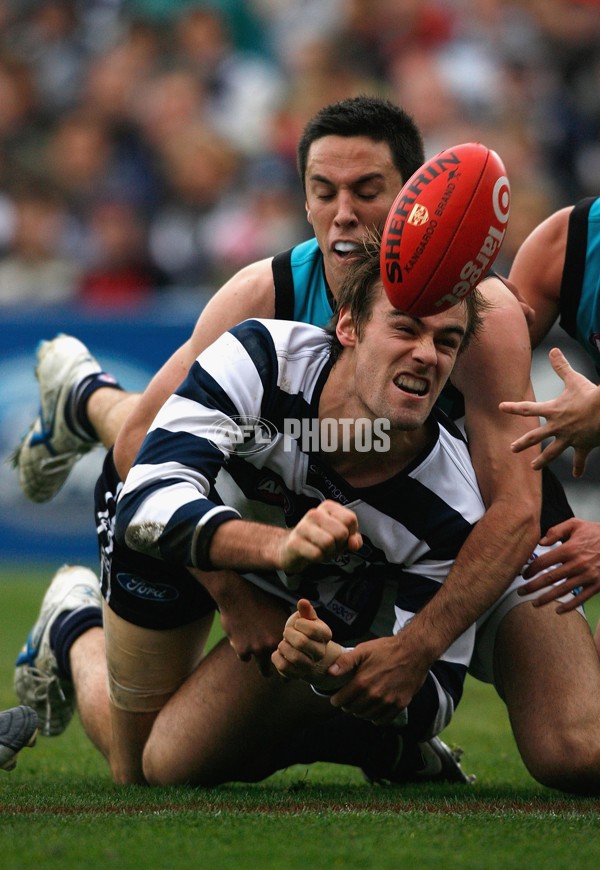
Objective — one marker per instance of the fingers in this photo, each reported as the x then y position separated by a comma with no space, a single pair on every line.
579,460
560,532
306,610
560,363
582,595
334,528
578,595
364,706
303,649
524,409
549,453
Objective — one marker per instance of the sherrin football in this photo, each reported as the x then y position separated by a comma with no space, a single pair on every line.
445,229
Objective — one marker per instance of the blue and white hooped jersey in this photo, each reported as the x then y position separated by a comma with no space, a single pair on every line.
198,468
580,286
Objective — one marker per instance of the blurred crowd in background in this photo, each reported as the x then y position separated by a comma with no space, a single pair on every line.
148,146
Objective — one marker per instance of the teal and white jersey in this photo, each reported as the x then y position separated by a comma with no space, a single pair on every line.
301,292
580,286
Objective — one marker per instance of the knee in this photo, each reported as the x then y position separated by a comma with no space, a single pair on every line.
163,766
160,770
568,761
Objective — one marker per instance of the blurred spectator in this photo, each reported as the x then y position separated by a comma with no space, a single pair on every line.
241,87
243,22
168,128
169,103
18,100
50,40
86,159
119,273
266,216
113,77
34,271
200,168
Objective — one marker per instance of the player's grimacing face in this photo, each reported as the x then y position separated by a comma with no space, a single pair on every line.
401,363
351,183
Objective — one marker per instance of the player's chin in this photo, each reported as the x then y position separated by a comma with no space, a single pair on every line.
411,410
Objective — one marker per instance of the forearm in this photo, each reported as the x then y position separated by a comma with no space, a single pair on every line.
246,546
489,560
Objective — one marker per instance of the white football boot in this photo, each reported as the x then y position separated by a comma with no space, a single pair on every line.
37,682
50,449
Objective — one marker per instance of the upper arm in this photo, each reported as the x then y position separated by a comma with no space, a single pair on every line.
249,293
495,367
537,270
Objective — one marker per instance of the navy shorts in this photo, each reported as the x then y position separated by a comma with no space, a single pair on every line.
145,591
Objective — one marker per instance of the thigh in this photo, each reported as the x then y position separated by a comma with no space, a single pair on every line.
547,670
229,723
145,667
482,661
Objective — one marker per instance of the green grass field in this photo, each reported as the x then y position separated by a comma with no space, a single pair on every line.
59,808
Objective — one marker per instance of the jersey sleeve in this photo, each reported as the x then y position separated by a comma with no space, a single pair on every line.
168,507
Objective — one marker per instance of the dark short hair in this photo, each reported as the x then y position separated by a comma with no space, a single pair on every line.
374,117
358,292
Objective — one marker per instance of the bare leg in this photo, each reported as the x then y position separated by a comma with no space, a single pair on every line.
597,638
107,409
88,667
90,677
118,735
548,672
228,723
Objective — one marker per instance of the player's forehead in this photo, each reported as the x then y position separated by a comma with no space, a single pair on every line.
455,317
348,159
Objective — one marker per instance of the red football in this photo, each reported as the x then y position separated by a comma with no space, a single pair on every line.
445,229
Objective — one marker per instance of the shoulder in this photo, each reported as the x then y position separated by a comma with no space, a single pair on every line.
503,346
254,282
289,337
541,257
306,251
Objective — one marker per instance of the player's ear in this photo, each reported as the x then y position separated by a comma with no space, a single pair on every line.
345,328
308,214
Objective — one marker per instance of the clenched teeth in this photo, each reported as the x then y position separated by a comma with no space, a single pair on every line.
345,247
412,385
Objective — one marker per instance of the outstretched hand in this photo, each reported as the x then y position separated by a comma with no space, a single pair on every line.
572,419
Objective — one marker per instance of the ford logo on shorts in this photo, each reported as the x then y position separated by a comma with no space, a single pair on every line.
158,592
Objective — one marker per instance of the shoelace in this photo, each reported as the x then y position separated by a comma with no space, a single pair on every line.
40,689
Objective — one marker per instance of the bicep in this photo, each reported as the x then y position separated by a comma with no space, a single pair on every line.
537,271
249,293
494,367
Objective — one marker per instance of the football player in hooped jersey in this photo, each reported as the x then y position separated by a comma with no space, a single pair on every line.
353,159
369,541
